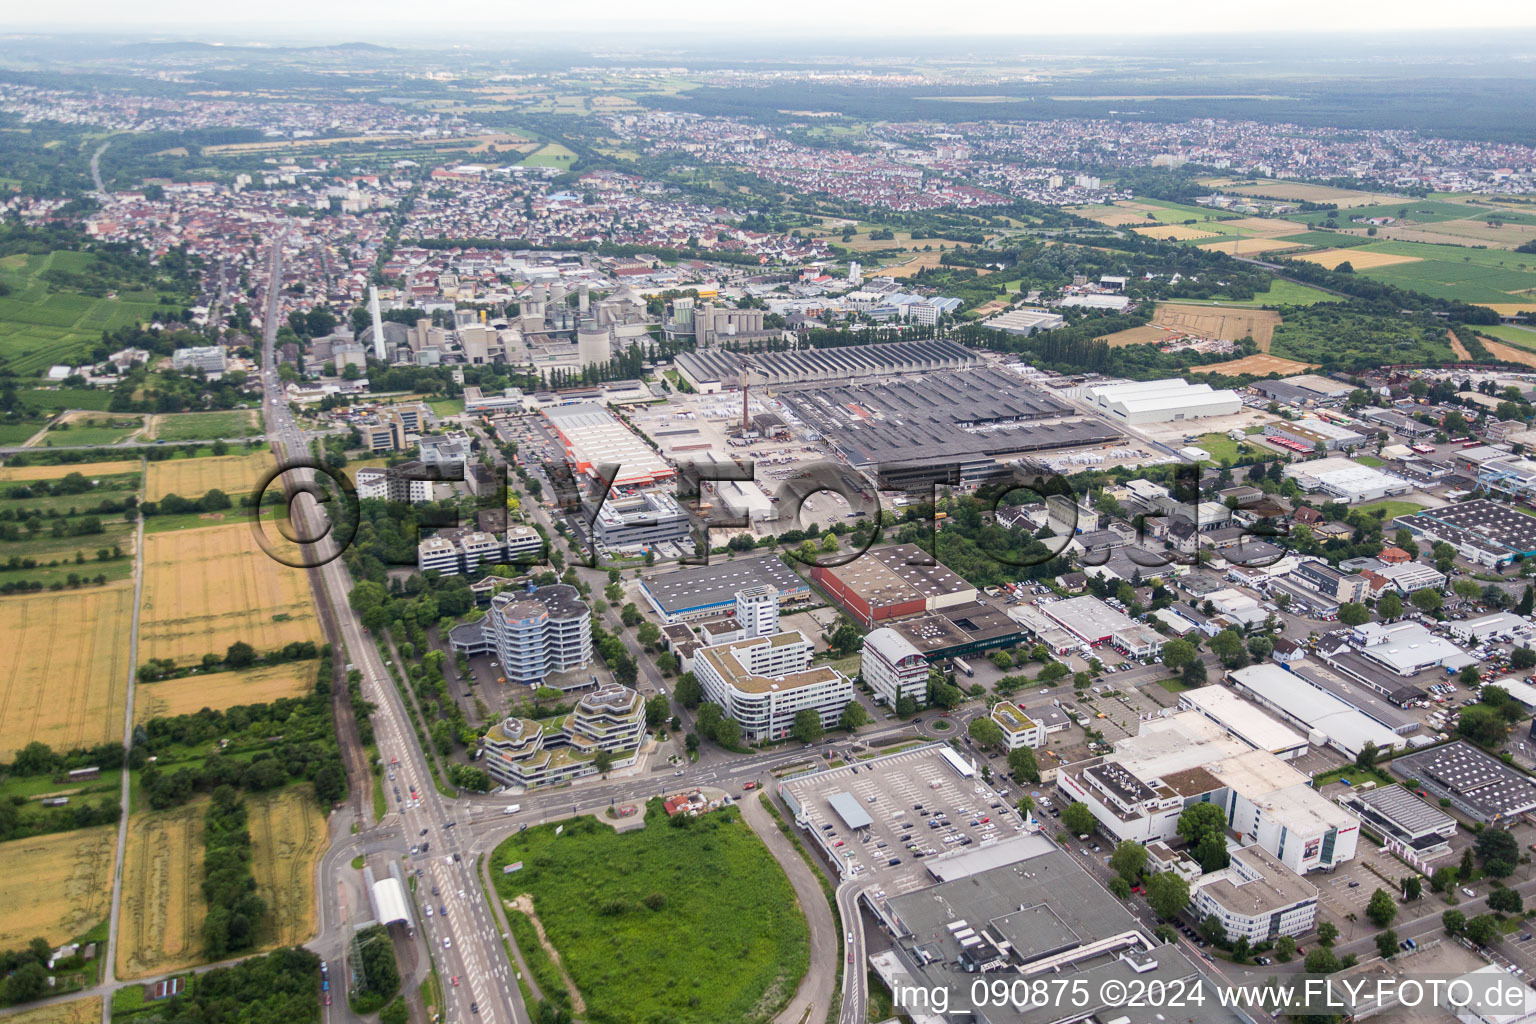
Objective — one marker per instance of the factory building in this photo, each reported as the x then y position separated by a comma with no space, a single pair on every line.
1480,786
713,370
1161,401
1404,820
1346,481
891,583
1325,717
1245,721
593,437
1482,531
702,591
1309,432
1095,623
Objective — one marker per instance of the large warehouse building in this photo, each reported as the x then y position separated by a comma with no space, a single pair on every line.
1327,718
962,426
702,591
1094,623
892,583
1482,531
1349,482
594,437
1480,786
714,369
1162,401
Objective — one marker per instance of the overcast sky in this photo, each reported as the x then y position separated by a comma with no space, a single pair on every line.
369,19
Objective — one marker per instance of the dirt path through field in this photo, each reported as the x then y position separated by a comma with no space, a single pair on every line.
524,904
1457,347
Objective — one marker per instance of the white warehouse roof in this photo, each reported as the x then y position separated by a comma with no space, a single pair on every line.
1345,727
1152,397
1246,721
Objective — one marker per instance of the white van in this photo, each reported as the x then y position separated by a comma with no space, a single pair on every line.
512,808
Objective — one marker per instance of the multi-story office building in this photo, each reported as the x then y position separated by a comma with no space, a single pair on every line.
650,517
408,482
207,358
893,667
764,681
445,451
525,753
534,634
465,550
1257,898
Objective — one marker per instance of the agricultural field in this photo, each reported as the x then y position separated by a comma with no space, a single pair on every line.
57,886
205,589
1492,277
1249,246
1360,259
1259,365
551,155
220,690
206,426
1176,232
1144,335
90,470
160,924
41,325
86,1010
1509,353
1280,293
288,836
1217,322
1295,191
692,926
192,478
64,667
1522,337
87,427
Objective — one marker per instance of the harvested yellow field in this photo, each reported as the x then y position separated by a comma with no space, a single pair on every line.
1250,246
76,1011
1265,226
1176,232
288,835
89,469
1226,323
64,668
1260,365
1331,258
1466,232
1510,308
222,690
1144,335
160,926
192,478
205,589
56,886
1303,193
920,261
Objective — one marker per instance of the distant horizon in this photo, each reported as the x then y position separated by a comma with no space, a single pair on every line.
857,21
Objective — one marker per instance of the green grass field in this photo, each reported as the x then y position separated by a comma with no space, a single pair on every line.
1219,445
59,399
103,429
550,155
202,426
1392,509
1326,239
1519,336
1280,293
447,406
41,326
690,925
1454,271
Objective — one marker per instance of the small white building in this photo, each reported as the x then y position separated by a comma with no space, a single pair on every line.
1019,730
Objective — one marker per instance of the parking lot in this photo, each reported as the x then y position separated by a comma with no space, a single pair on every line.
918,805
